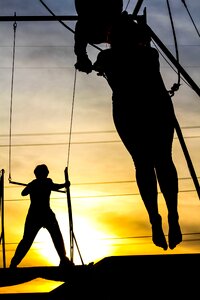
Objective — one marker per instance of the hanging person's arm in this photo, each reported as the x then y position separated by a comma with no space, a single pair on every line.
83,63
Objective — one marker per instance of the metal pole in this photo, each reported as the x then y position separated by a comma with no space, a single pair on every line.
37,18
177,127
187,157
71,231
70,217
193,85
2,218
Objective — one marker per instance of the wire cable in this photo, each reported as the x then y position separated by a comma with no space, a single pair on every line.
71,120
61,22
183,1
175,86
11,98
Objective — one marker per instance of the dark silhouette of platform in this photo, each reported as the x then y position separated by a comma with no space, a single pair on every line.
116,277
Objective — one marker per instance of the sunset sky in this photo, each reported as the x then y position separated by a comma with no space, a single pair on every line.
108,213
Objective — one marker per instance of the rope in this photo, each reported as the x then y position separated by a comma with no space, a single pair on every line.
175,86
11,99
155,45
190,17
71,121
72,236
127,5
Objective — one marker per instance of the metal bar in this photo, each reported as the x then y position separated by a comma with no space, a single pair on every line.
24,184
2,218
177,127
38,18
71,232
187,157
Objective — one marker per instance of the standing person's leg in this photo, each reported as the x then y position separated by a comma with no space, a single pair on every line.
53,227
31,229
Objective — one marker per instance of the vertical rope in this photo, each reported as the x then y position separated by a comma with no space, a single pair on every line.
11,98
71,121
175,86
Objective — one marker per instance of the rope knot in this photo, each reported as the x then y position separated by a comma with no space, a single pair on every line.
174,89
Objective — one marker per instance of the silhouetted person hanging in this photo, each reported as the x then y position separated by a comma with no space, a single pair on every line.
95,21
41,215
144,117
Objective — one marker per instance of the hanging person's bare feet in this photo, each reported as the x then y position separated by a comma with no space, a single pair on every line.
158,236
174,235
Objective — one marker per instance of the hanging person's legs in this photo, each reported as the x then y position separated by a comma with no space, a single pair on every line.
168,181
147,184
138,142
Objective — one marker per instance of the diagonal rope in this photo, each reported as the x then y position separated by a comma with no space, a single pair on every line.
61,22
11,98
191,17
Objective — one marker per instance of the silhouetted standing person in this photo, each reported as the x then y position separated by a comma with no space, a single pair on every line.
144,117
41,215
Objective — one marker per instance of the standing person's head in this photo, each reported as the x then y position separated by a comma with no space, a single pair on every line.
41,171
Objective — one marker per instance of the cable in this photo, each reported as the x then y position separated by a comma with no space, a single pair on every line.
96,196
128,2
71,121
52,13
61,22
11,98
107,182
169,63
183,1
72,236
175,86
79,132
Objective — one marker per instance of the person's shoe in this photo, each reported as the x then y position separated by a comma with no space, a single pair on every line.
12,265
174,235
66,263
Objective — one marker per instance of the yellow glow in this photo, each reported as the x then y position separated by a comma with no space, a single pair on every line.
37,285
90,242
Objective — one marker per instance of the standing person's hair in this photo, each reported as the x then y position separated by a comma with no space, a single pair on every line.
41,171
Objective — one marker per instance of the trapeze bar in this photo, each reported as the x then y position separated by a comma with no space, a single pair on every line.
37,18
24,184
